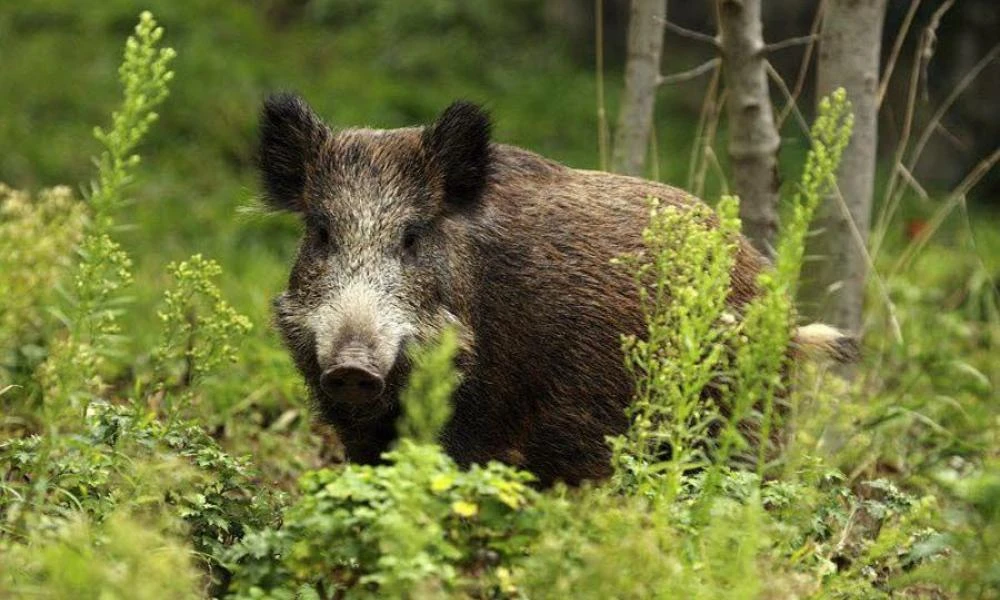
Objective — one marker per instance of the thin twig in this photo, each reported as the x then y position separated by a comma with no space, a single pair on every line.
710,131
957,196
707,108
953,138
800,81
896,48
994,289
602,115
654,153
713,159
690,34
955,93
847,530
923,194
910,179
931,32
778,81
925,136
790,42
883,291
690,74
889,199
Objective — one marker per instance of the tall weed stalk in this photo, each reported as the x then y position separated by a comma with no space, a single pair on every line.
73,374
697,350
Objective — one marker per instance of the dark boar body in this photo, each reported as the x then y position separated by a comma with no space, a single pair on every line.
410,230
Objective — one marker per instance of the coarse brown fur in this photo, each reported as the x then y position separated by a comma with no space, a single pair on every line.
513,248
553,309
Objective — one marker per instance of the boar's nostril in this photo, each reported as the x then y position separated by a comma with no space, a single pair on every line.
352,382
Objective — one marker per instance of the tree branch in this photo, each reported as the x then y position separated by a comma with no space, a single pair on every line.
690,74
789,99
896,47
691,34
795,41
800,81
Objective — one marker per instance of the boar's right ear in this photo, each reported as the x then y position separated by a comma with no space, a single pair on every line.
291,136
459,145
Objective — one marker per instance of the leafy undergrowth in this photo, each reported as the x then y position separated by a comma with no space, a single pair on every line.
782,487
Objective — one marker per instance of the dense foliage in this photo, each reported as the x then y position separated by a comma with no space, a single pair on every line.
127,424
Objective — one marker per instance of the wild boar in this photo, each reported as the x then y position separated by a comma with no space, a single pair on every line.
409,230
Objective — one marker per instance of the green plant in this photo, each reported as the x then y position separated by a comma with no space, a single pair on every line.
103,461
419,525
72,373
121,558
709,384
199,328
684,350
695,349
124,459
144,75
766,328
37,238
600,545
426,399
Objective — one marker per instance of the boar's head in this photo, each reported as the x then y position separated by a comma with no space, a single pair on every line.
385,256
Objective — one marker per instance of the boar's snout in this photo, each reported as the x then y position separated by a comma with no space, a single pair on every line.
353,380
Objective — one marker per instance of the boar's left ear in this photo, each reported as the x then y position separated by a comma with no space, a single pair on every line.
459,144
291,136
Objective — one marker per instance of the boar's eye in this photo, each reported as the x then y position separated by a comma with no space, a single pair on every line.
410,238
321,231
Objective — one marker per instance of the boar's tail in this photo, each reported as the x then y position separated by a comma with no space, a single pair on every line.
819,340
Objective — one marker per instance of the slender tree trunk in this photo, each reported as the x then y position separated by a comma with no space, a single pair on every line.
849,52
642,73
753,139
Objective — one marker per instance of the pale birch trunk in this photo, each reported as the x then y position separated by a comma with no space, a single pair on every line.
849,52
753,139
642,73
